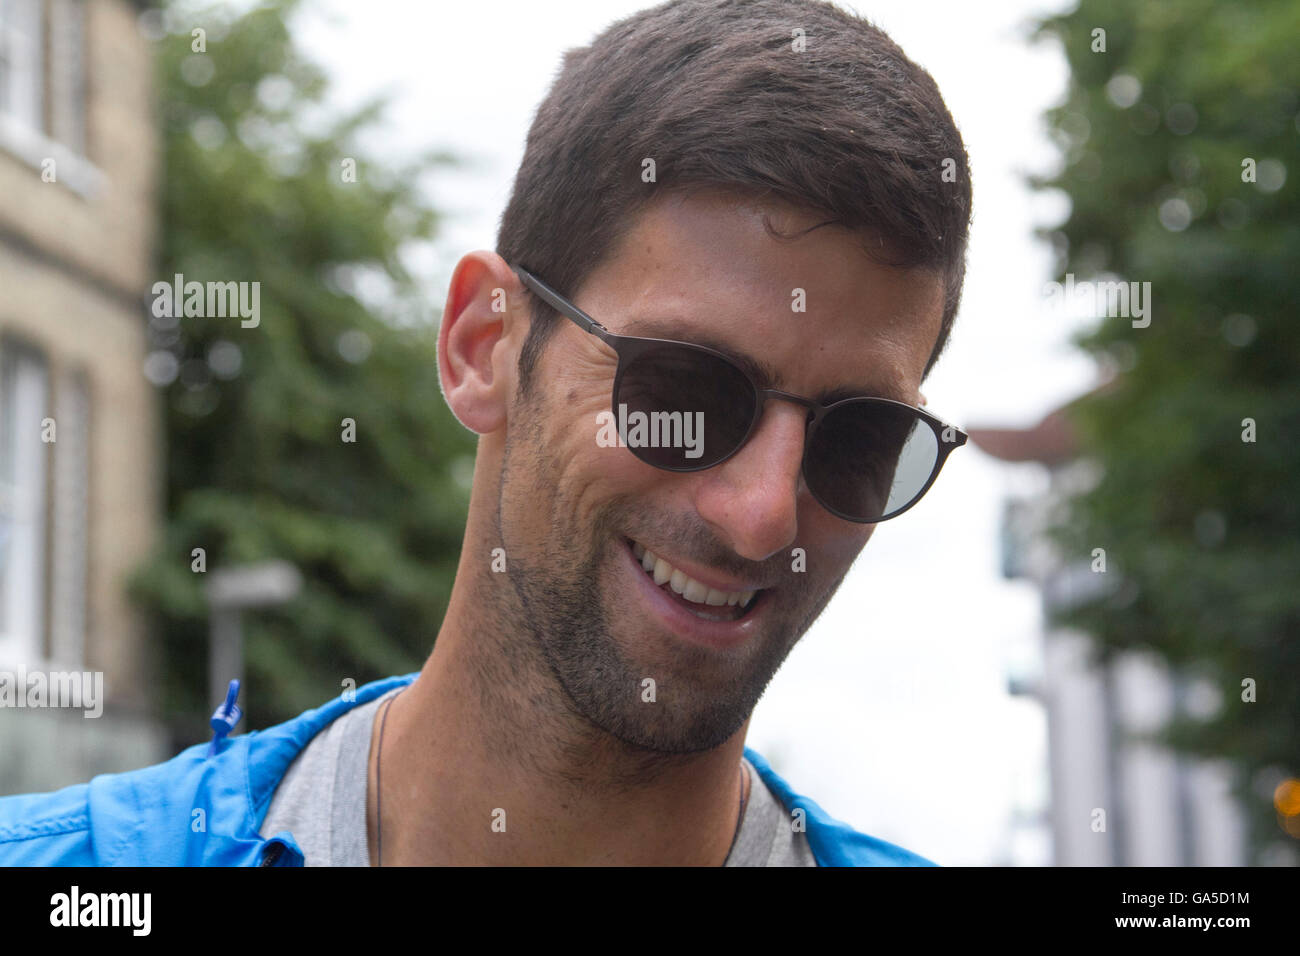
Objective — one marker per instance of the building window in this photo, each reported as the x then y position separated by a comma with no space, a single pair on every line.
43,71
67,73
22,61
24,463
70,544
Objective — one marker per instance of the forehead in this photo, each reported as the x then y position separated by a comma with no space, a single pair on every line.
799,303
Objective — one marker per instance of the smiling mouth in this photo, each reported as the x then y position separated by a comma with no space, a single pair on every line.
706,603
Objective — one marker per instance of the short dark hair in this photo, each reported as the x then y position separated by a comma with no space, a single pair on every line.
715,93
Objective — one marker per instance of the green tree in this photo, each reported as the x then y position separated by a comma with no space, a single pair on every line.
1162,133
264,183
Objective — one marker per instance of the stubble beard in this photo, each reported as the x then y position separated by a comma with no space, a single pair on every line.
563,608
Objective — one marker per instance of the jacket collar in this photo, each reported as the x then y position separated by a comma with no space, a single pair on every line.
200,810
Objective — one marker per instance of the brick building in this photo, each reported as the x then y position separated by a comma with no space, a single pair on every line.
80,452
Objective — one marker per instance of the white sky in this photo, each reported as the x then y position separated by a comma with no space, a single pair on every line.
892,713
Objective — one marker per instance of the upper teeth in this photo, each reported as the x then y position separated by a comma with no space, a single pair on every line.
684,584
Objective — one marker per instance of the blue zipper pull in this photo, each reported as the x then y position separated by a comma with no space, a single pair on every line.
225,717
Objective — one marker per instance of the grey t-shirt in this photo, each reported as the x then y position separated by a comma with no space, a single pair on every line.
322,802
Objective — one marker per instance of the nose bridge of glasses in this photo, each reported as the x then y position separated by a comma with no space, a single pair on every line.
807,403
810,413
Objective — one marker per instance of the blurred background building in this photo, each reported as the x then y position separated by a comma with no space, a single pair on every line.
1160,808
80,449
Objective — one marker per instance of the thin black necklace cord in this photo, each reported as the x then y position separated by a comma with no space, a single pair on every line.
379,790
379,793
740,818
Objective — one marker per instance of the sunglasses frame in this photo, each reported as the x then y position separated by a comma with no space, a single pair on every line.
630,347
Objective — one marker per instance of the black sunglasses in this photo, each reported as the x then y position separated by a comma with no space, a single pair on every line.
866,459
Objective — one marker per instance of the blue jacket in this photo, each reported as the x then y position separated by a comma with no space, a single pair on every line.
201,810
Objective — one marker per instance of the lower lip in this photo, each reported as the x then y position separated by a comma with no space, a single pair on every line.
721,635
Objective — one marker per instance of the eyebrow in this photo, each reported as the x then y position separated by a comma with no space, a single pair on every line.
762,372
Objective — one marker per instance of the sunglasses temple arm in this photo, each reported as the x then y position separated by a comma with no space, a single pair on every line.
562,305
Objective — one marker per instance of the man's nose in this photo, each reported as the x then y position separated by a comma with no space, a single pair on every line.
753,496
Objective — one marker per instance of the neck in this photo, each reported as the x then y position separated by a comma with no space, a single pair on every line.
485,761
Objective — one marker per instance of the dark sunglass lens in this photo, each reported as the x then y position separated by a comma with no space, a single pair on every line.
681,408
867,460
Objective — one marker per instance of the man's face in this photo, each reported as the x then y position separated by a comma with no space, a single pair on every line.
702,269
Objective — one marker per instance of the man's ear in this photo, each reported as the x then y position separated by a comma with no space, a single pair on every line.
922,394
479,340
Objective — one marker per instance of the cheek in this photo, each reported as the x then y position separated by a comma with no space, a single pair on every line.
568,478
830,543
